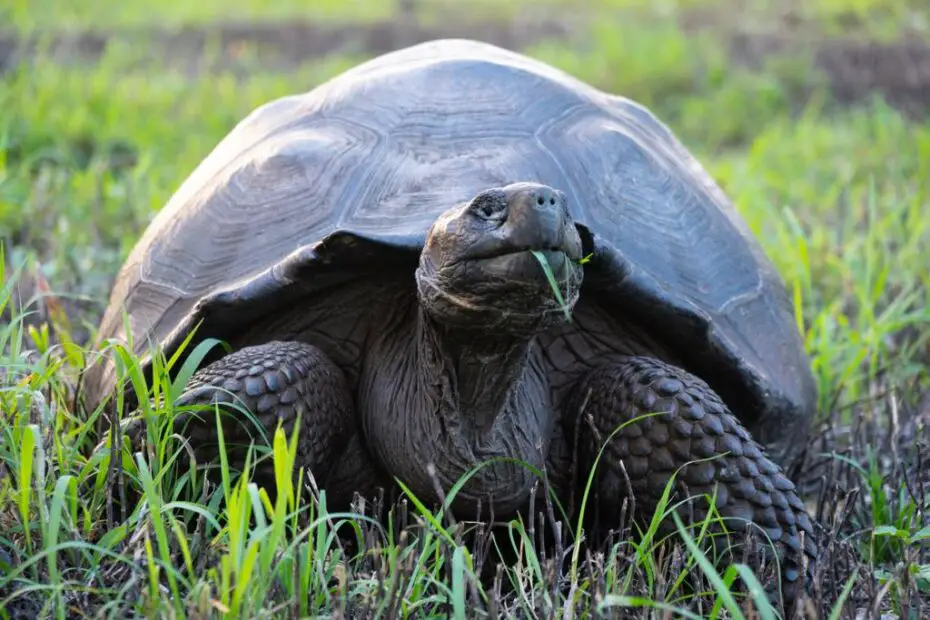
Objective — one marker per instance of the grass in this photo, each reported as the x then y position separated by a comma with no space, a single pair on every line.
876,18
837,194
114,14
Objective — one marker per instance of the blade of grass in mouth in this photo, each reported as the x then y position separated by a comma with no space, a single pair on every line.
547,269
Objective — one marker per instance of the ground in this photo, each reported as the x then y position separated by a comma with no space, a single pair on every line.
812,116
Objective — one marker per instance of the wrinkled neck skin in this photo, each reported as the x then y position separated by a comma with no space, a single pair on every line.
477,373
455,397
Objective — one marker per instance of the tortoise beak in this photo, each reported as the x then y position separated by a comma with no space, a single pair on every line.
529,217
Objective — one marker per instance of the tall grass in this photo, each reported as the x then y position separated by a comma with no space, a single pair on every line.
119,528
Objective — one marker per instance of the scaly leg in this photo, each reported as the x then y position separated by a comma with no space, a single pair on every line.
275,382
693,424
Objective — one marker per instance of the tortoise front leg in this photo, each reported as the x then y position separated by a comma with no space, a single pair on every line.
259,387
693,425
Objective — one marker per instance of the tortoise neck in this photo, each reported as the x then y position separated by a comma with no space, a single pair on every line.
477,373
445,403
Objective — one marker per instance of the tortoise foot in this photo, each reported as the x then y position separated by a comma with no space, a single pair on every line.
260,387
698,440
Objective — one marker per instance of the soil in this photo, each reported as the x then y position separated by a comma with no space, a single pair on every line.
854,70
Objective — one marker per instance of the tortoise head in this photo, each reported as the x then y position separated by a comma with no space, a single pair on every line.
480,266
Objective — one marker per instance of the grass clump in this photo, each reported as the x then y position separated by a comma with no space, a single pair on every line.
837,195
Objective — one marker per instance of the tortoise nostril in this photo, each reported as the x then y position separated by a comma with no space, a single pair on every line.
544,196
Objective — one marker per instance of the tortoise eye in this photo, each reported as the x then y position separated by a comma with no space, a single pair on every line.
490,209
490,205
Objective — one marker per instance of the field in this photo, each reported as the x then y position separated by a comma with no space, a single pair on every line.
815,119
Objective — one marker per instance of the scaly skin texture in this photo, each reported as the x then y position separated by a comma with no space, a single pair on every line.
695,438
459,376
277,382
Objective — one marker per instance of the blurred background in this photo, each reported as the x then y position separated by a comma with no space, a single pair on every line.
810,114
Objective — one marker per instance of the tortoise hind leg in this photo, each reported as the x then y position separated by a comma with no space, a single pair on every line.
693,424
259,387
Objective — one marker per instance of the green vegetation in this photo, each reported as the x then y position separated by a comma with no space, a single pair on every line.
838,194
25,14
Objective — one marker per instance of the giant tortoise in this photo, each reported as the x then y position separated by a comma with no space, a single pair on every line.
454,252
